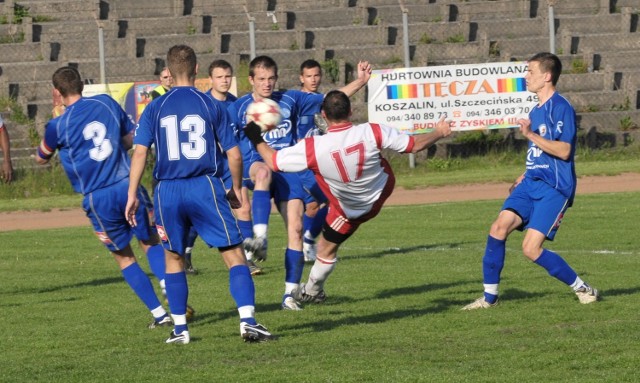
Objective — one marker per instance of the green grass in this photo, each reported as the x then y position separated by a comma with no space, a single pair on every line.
392,314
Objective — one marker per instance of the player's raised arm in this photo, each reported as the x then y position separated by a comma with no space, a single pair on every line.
254,134
364,74
138,160
423,141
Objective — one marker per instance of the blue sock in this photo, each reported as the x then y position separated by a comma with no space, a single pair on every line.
492,264
556,267
191,238
177,295
141,285
241,286
155,255
318,221
261,207
293,264
246,228
307,222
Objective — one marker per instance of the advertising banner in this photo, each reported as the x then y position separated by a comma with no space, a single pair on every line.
478,96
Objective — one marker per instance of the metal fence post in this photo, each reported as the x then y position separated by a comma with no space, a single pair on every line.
252,34
103,79
552,32
407,60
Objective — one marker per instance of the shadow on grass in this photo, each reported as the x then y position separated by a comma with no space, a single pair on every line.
50,289
402,250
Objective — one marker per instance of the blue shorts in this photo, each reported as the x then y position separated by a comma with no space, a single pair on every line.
310,185
246,177
200,202
105,208
540,206
287,187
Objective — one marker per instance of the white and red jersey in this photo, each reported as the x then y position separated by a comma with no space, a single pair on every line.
347,163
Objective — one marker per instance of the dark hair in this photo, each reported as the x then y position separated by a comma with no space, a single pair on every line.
549,63
336,106
219,64
181,60
310,64
265,62
67,81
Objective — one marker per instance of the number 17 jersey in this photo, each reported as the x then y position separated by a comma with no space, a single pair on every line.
347,163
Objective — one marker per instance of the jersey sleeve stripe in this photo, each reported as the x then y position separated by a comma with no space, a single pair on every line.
410,144
377,133
44,151
274,160
312,162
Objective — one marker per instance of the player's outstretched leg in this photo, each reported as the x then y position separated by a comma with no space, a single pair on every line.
558,268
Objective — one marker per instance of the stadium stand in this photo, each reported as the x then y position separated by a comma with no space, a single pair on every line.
597,40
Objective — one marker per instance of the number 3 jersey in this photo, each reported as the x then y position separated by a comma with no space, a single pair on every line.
347,163
186,127
88,137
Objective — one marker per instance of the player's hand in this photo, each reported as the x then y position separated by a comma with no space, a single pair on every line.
525,127
443,127
7,171
364,71
253,133
130,211
516,183
233,199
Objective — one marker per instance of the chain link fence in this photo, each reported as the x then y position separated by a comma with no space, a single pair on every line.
597,40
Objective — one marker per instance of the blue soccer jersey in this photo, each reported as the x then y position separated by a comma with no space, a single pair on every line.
88,137
186,143
307,111
226,178
554,120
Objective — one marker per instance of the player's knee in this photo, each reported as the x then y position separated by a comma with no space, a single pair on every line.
499,230
263,175
531,250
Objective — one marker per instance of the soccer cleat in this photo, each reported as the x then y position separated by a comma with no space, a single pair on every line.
253,269
255,333
587,294
165,321
190,313
289,303
188,266
479,303
300,295
182,338
260,246
309,250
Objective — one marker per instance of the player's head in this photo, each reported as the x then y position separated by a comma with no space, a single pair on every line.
67,81
166,80
336,107
263,74
543,68
220,73
182,62
310,76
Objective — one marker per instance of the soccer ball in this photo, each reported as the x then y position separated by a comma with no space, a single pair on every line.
264,112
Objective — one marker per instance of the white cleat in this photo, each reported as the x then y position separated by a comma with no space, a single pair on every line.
587,294
479,303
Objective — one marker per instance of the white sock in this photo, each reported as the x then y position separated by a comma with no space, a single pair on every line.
491,288
320,271
578,283
260,230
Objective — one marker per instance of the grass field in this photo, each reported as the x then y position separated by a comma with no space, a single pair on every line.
392,314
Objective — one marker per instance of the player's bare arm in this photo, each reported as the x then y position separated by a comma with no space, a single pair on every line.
558,149
7,168
234,158
127,141
423,141
138,160
254,134
364,74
